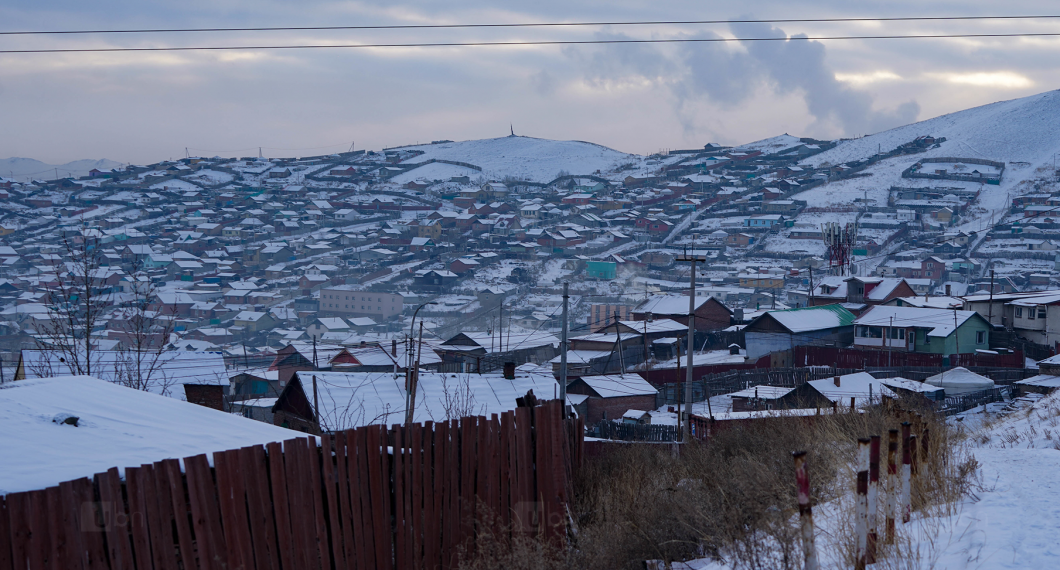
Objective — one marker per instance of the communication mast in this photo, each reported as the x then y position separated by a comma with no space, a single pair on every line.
840,242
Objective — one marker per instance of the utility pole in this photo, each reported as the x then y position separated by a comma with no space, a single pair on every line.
316,410
314,352
990,310
956,338
811,285
887,340
415,379
691,258
563,352
618,341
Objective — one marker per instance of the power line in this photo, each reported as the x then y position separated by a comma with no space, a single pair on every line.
524,43
525,25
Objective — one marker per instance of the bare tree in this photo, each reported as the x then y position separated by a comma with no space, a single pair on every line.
76,302
144,327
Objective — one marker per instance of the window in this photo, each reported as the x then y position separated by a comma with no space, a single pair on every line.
1041,312
1031,313
1019,312
980,337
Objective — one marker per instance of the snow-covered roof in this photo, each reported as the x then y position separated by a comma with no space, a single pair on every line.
763,392
960,380
618,385
165,376
117,427
942,322
356,399
859,386
1043,380
812,318
668,304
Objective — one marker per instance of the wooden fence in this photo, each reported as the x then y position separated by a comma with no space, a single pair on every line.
367,498
636,432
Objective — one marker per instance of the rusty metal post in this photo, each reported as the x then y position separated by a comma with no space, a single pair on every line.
861,508
891,503
802,483
906,472
874,485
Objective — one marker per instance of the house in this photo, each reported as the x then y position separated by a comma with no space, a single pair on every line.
610,397
776,331
604,270
197,377
859,390
711,314
929,331
344,301
739,240
858,293
113,426
761,398
254,321
763,220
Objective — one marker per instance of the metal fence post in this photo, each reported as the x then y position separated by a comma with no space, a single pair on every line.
861,509
906,472
802,483
891,503
873,497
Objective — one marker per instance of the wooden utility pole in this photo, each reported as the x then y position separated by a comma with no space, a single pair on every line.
691,258
563,353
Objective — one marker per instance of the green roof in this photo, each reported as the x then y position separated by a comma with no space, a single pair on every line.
807,319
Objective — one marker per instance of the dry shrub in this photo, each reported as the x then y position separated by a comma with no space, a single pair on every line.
732,498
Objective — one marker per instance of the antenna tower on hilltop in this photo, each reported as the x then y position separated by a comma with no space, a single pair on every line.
840,243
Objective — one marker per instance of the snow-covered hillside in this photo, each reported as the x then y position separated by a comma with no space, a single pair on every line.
1017,131
536,160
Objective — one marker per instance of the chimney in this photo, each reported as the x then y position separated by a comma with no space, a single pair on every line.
393,347
364,344
509,371
836,381
947,289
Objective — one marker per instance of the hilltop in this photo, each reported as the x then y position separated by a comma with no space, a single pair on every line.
527,158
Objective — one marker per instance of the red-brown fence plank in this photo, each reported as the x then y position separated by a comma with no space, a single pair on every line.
115,520
17,511
297,471
407,507
259,503
138,517
345,513
6,560
361,501
525,506
418,453
57,555
70,511
430,512
360,498
398,480
505,435
278,483
380,500
178,497
331,491
89,522
206,513
233,492
159,518
314,486
39,537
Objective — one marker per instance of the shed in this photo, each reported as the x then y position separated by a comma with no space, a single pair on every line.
611,396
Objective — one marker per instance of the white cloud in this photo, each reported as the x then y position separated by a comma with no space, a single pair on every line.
995,79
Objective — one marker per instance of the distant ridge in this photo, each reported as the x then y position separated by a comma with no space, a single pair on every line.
25,169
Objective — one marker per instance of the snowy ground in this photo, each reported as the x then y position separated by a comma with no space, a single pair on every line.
1010,520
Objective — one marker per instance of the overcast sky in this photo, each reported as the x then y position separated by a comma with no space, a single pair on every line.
144,107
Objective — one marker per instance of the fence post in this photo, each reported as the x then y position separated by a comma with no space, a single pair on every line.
892,485
874,484
906,468
802,483
861,512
